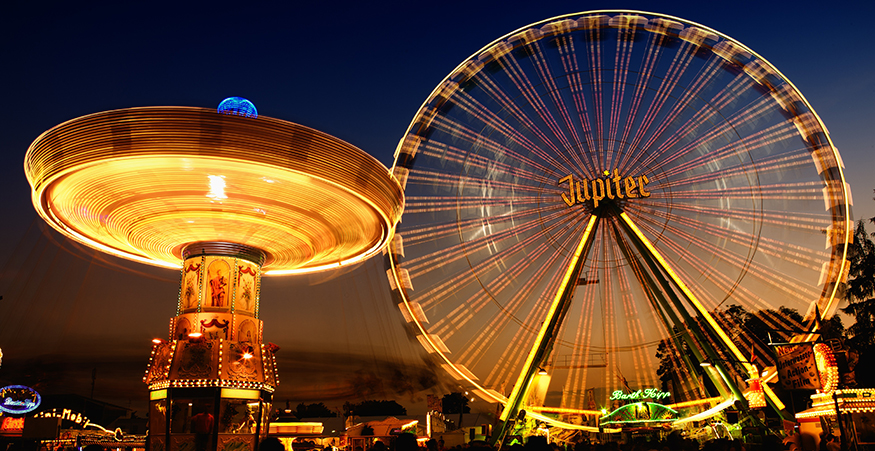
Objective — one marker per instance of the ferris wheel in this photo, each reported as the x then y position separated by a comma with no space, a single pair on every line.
589,187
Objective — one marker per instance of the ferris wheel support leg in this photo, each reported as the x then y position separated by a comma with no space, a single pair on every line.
657,262
547,334
653,260
667,314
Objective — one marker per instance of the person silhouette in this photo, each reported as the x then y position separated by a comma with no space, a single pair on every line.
202,426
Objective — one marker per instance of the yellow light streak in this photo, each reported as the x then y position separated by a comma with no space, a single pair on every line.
266,183
752,371
694,402
708,413
564,425
522,383
562,410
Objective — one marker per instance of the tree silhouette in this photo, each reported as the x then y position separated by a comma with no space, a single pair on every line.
860,291
318,410
860,294
455,403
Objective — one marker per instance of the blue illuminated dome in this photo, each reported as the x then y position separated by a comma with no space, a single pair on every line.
237,106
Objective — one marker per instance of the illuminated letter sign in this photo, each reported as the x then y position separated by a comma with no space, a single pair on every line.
647,393
611,187
65,414
18,399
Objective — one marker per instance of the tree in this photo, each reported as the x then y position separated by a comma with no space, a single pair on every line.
455,403
319,410
666,366
860,291
860,294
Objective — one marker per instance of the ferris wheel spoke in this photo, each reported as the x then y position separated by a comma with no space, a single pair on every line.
444,290
690,95
736,155
634,323
519,170
472,205
775,165
578,371
686,238
625,40
594,54
707,128
645,77
526,87
568,57
437,180
680,62
510,110
489,241
680,248
548,79
798,255
433,232
510,360
498,322
490,143
805,191
621,318
772,218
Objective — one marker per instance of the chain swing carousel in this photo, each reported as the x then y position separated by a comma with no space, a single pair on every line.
224,196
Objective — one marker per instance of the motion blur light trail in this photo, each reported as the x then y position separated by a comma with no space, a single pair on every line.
141,183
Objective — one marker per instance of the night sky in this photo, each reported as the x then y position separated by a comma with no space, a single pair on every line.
358,71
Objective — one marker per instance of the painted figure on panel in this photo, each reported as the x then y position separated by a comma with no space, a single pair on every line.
218,278
245,300
190,286
183,328
247,332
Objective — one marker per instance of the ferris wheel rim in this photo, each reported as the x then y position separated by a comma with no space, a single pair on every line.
461,373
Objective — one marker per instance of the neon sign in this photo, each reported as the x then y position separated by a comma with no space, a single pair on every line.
65,414
647,393
610,187
12,424
18,399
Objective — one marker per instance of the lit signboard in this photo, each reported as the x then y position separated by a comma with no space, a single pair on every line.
18,399
65,414
647,393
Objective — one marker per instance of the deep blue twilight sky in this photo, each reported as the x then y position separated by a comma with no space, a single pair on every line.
356,70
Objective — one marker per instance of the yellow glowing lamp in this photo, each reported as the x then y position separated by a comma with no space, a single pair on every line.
755,396
826,367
